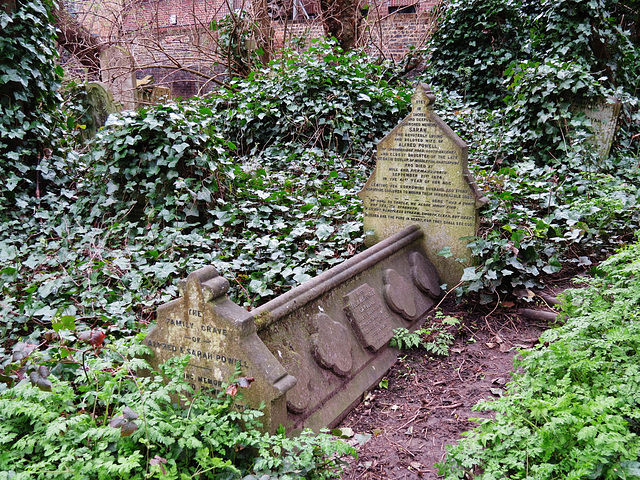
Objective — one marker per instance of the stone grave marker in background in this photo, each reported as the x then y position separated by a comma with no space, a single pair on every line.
313,351
422,178
604,117
117,69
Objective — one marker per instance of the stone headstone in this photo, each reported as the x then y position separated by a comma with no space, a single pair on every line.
422,178
100,105
218,336
604,115
117,70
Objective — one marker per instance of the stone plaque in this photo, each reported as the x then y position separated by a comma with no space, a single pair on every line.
421,177
368,317
604,117
331,346
218,336
424,275
399,294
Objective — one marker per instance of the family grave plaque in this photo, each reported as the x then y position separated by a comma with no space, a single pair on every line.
218,336
421,177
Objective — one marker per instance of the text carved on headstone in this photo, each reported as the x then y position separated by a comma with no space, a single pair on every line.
421,177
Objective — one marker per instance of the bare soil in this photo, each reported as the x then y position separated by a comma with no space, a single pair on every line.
401,431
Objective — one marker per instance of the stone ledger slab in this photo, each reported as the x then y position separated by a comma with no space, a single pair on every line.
422,177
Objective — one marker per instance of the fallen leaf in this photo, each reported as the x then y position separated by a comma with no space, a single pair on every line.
232,390
362,438
345,432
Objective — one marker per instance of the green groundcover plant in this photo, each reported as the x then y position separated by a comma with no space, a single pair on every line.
105,421
572,410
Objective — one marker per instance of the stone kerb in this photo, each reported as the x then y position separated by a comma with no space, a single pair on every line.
315,350
332,332
422,177
218,335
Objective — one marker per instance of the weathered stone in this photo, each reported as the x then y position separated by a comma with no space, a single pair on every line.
316,349
368,316
117,69
218,336
604,117
421,177
339,325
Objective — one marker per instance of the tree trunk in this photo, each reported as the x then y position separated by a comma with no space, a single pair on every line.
264,40
341,20
8,5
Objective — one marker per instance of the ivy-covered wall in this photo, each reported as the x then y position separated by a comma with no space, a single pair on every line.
29,79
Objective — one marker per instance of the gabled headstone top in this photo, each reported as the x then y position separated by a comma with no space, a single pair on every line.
422,177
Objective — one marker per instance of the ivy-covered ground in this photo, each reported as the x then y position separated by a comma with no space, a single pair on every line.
259,179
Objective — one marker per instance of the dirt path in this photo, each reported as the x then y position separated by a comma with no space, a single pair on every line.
401,431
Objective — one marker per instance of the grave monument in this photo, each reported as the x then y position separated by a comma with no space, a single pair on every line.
421,177
315,350
117,70
603,114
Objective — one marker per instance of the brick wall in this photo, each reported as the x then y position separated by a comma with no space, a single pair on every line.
171,39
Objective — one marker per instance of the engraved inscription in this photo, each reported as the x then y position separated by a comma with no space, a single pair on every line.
417,178
369,317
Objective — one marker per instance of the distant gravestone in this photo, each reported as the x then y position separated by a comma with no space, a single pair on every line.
421,177
100,105
218,336
117,69
604,118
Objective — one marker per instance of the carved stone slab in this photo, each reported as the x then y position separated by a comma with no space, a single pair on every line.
368,316
335,328
421,177
313,351
218,336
